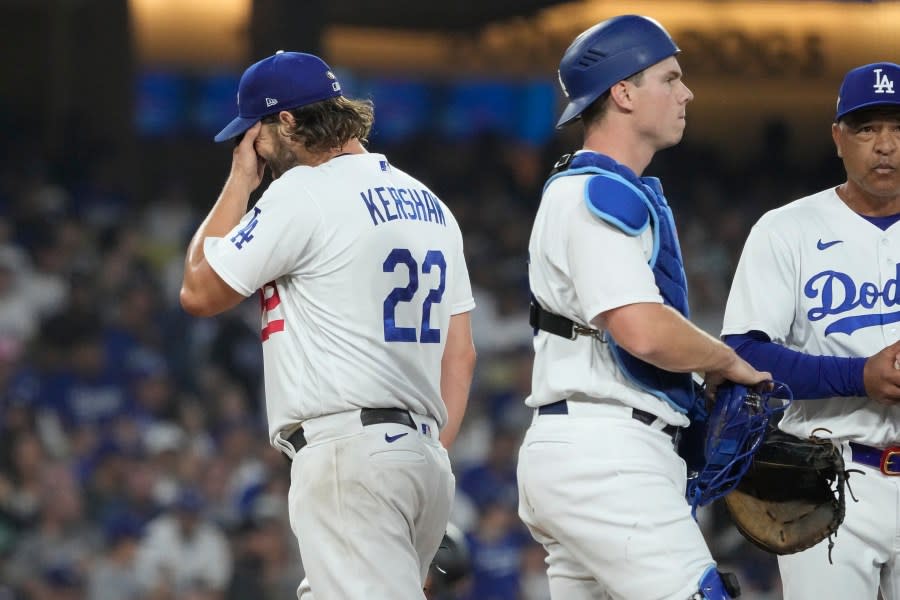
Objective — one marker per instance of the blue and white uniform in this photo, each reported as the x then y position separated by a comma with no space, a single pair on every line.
360,267
603,491
817,278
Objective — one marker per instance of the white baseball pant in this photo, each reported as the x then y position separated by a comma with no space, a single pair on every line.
604,494
369,507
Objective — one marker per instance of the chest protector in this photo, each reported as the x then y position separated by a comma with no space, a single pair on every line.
630,203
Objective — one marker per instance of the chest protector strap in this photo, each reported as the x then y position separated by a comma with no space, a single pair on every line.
617,196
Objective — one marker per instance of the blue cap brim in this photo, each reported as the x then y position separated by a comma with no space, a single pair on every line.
872,104
235,128
570,113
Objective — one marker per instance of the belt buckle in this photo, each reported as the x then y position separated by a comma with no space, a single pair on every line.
886,457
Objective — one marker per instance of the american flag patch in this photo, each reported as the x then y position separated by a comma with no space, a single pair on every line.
384,165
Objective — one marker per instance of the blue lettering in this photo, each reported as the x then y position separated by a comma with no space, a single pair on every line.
850,324
891,294
373,210
420,207
385,204
828,308
244,234
868,294
410,209
838,294
429,202
397,202
440,211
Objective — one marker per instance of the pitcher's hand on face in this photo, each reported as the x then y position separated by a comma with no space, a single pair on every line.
246,165
882,377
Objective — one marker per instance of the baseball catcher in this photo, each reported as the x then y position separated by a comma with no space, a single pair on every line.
784,493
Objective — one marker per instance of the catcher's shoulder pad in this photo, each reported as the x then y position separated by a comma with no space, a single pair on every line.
617,201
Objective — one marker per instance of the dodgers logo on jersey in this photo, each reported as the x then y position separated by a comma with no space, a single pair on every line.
883,85
245,233
838,294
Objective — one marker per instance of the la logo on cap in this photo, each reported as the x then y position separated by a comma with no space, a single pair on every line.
883,85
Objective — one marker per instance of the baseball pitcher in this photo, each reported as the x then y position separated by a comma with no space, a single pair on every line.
364,300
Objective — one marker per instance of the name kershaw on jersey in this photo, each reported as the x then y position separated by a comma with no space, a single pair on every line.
838,293
396,203
401,203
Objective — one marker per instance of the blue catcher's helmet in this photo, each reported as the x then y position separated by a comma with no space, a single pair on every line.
607,53
737,426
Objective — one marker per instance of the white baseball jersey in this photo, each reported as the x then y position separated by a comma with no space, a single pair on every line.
818,278
603,493
580,267
360,267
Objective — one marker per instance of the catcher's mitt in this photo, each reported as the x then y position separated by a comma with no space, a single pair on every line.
792,496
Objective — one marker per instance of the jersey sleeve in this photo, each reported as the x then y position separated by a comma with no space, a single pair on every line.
461,300
268,241
762,296
609,268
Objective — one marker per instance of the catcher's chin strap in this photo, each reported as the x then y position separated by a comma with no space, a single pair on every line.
559,325
843,479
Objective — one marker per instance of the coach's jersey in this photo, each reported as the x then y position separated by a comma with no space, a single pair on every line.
818,278
359,267
579,267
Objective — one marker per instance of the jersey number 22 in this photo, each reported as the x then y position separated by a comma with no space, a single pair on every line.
402,256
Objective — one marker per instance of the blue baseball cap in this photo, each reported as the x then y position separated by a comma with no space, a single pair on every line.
283,81
877,84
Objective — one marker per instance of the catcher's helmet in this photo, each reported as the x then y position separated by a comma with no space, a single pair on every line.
606,54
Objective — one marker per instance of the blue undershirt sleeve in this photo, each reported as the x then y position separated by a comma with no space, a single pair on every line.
809,377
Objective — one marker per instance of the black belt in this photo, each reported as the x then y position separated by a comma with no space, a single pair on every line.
887,461
561,407
368,416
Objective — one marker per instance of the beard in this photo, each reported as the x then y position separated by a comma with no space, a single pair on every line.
282,160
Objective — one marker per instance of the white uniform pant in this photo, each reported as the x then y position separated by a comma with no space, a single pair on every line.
604,494
866,551
368,513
